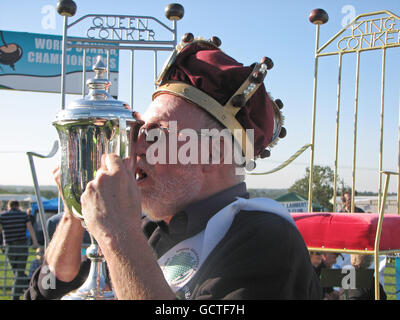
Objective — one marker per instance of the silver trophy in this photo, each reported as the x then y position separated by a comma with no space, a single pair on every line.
88,128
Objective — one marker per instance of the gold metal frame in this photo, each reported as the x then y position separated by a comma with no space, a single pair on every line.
376,252
381,24
319,52
382,36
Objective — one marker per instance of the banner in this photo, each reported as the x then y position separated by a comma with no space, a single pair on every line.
32,62
296,206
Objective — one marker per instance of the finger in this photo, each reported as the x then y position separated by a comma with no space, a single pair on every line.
57,178
111,163
130,166
56,170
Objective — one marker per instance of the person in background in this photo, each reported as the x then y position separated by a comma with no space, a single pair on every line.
316,259
13,224
37,262
327,260
359,262
31,217
53,222
345,259
346,203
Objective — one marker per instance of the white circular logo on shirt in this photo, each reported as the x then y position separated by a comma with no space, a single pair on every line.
181,266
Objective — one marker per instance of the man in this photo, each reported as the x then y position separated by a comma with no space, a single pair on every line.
346,202
53,221
360,262
202,238
316,259
13,224
327,260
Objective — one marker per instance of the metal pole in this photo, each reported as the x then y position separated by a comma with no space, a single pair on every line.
36,186
132,75
174,35
155,68
310,183
398,166
63,62
108,63
355,132
381,126
337,133
84,73
378,234
39,201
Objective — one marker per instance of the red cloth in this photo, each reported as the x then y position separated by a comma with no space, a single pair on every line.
215,73
348,230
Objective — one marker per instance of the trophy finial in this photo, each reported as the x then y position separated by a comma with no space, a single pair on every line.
98,86
99,67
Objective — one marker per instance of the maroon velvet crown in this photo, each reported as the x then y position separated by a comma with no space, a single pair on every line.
209,69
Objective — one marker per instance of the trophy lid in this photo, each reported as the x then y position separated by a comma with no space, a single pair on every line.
98,103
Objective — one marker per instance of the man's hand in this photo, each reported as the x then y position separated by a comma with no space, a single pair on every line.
111,207
32,233
57,179
111,203
64,251
334,295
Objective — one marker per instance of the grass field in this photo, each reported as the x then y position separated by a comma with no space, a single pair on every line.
390,280
7,277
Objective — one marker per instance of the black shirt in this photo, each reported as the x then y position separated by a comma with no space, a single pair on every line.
14,225
262,256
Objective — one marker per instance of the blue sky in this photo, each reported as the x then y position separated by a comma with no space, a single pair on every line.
248,30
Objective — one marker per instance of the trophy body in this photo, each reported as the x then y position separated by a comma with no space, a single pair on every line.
89,128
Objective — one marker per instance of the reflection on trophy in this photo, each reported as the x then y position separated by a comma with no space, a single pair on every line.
88,128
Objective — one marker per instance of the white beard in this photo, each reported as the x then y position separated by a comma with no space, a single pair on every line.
169,196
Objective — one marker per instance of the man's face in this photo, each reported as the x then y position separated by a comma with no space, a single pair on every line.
329,259
167,188
316,259
347,199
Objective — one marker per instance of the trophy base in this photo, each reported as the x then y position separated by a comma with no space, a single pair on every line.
95,287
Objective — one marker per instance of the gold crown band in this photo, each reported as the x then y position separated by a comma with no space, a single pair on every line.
224,114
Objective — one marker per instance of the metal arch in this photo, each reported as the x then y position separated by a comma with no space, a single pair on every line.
357,49
319,51
37,189
108,44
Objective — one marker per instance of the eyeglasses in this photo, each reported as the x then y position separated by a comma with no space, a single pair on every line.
154,131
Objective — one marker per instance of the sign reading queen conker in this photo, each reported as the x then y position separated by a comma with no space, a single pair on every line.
121,28
117,32
126,29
